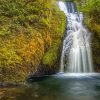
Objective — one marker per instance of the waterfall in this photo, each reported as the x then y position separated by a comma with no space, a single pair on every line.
76,52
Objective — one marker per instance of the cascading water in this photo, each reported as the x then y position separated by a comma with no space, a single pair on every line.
76,52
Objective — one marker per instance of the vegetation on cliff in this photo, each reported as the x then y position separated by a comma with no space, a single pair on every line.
30,33
91,9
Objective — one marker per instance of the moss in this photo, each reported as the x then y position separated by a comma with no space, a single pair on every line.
29,32
51,56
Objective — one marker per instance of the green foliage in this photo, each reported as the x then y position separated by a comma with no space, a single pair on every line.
18,13
30,30
51,56
8,57
91,8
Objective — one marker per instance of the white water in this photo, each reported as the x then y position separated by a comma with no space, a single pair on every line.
76,52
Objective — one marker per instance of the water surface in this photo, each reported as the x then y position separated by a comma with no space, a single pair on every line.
57,87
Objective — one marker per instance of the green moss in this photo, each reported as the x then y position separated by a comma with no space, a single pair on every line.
8,57
30,30
51,56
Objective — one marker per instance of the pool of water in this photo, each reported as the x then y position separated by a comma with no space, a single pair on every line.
57,87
